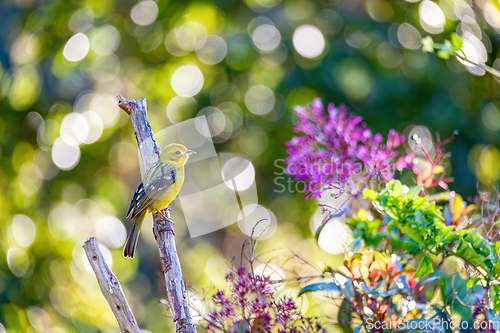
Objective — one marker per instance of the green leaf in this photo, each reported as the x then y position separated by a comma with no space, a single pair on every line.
344,316
495,297
443,54
468,253
322,286
329,269
447,235
472,282
370,194
428,44
425,267
318,231
414,191
414,233
395,188
456,41
446,50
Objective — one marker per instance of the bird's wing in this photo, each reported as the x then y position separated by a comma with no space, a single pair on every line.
159,178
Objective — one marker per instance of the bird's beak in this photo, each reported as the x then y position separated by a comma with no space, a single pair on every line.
189,152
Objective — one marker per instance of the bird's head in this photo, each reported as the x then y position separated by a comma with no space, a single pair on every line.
175,154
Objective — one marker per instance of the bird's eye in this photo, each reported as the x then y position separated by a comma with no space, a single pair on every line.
178,152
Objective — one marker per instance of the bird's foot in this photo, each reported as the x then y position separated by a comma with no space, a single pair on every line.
167,223
165,216
166,227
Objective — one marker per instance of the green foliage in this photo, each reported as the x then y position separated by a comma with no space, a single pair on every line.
453,48
366,228
412,215
412,225
344,316
446,49
324,286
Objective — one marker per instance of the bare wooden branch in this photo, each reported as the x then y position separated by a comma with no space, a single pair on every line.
111,288
163,228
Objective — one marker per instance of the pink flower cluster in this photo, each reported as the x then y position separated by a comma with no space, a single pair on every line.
338,151
250,307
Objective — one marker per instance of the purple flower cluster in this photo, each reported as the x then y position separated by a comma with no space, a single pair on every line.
250,307
338,151
480,322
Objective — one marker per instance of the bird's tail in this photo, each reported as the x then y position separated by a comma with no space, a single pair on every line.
133,237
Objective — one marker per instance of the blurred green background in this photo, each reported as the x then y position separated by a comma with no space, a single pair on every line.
69,162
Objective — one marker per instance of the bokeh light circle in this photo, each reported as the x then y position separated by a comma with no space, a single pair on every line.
266,37
65,154
492,15
179,108
18,261
424,137
110,231
105,68
211,49
257,221
192,138
356,37
409,36
104,106
333,237
144,13
214,124
253,141
308,41
76,48
180,41
105,40
475,51
95,126
74,128
260,99
238,174
261,5
491,117
233,114
187,81
431,17
23,230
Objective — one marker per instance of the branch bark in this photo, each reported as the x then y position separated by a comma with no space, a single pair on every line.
111,288
171,267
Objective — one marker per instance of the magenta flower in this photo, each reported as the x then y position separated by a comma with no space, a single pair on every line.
250,307
338,151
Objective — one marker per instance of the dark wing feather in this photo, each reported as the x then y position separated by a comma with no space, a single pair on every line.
158,179
139,192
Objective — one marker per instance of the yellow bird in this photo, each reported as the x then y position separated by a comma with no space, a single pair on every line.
160,186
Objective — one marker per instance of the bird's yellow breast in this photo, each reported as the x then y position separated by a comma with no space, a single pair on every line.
169,194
